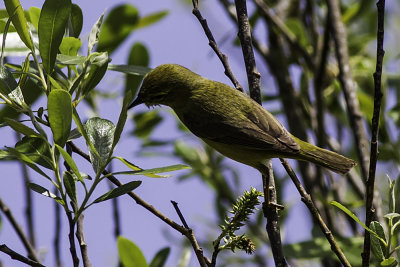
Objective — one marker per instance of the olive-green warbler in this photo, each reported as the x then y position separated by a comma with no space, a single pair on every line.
229,120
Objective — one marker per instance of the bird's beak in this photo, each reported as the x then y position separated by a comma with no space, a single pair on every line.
137,101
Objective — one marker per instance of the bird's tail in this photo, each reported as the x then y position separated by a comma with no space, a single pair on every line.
325,158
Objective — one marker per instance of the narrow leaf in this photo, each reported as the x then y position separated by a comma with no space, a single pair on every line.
69,184
94,34
16,13
138,56
21,128
7,81
150,19
130,254
52,23
36,149
127,69
160,258
59,107
45,192
377,247
76,21
27,161
119,191
354,217
70,162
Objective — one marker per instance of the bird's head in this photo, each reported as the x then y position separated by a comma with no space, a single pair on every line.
164,85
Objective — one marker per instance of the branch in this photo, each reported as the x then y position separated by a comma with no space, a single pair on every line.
16,256
72,247
338,32
305,197
82,244
369,210
271,214
253,76
222,57
188,233
25,241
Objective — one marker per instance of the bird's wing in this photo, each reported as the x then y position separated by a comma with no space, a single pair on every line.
258,130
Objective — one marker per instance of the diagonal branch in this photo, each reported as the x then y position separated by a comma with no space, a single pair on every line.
21,234
214,46
305,197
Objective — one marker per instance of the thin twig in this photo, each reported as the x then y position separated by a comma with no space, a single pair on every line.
369,210
16,256
305,197
181,217
253,76
188,233
21,234
348,85
222,57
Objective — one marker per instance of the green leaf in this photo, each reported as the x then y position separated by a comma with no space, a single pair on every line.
98,67
391,262
160,258
59,107
354,217
7,81
34,14
130,254
36,149
128,98
70,162
76,21
118,191
45,192
150,19
21,128
94,34
70,60
138,56
117,26
29,162
69,46
145,122
101,134
69,184
150,172
391,216
18,19
52,23
128,69
377,247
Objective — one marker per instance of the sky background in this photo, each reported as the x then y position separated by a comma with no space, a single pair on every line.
178,38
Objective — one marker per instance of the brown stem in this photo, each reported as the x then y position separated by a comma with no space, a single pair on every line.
21,234
253,76
305,197
348,85
16,256
369,210
222,57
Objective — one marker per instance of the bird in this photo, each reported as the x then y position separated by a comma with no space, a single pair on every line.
229,120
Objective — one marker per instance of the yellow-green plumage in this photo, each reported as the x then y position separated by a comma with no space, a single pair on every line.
230,121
